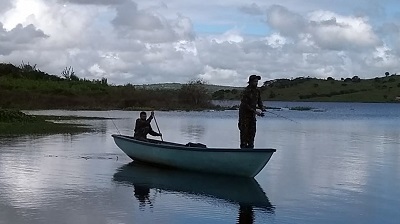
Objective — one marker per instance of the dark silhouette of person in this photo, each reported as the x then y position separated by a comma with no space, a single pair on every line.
251,100
143,127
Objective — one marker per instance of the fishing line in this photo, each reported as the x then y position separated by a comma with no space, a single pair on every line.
113,123
282,116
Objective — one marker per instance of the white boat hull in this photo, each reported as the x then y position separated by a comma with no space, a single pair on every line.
239,162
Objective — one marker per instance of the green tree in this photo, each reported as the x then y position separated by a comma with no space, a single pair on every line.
271,95
27,67
356,79
69,74
194,94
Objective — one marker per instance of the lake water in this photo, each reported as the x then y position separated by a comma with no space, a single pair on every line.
339,163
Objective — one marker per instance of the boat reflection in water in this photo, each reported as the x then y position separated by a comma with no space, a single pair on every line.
242,191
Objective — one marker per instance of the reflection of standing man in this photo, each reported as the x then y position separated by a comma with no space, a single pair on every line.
251,98
142,194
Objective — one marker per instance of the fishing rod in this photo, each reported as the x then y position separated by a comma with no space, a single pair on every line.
282,116
113,123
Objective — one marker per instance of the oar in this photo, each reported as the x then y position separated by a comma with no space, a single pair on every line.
155,120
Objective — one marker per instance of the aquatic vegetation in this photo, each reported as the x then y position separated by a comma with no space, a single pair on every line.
16,116
15,122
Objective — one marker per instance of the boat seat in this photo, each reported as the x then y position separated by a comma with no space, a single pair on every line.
197,145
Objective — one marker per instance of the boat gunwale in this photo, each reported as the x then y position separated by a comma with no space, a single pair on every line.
177,146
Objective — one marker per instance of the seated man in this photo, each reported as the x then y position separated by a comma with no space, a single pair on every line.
143,127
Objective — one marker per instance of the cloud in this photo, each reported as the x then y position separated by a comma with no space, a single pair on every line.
5,5
391,33
219,76
252,9
276,40
146,42
93,2
335,32
147,26
325,29
128,16
285,21
19,37
23,35
231,36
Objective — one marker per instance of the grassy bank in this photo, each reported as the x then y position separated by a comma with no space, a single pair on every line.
27,88
380,89
13,122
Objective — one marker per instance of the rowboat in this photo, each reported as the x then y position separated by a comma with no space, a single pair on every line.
214,188
238,162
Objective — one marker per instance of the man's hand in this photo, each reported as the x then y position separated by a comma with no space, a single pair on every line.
264,108
152,113
260,113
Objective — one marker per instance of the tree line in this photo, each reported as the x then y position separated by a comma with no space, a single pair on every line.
27,87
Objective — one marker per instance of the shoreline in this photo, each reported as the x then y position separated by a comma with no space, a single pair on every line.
17,123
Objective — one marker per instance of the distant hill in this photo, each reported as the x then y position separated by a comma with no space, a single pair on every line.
378,89
174,86
355,89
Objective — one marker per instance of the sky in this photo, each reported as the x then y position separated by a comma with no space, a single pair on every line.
221,42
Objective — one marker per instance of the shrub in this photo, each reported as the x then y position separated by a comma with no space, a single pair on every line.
195,94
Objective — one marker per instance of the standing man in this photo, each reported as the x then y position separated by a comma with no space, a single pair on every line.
143,127
251,100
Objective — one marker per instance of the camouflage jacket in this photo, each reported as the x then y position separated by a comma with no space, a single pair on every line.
251,100
143,127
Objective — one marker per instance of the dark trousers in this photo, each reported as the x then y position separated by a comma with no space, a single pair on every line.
247,127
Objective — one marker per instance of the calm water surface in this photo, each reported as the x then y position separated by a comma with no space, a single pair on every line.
339,163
